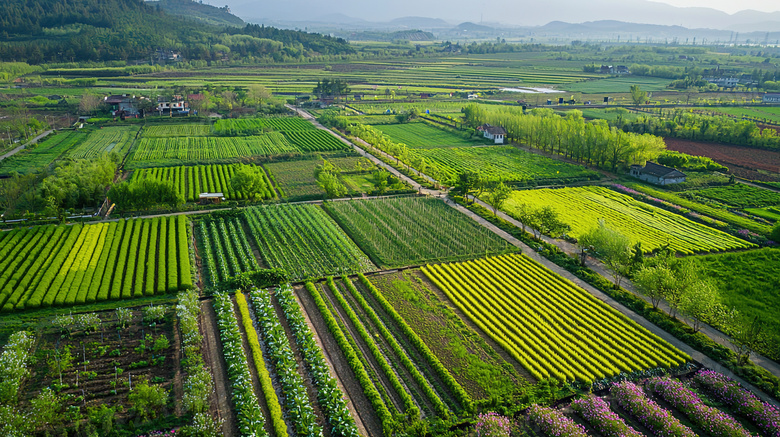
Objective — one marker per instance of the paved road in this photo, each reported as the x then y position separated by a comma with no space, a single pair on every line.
32,141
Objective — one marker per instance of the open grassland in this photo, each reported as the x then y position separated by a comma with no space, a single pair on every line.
582,208
748,281
422,136
305,241
553,328
225,249
200,149
193,180
412,230
104,141
71,265
177,130
41,155
505,163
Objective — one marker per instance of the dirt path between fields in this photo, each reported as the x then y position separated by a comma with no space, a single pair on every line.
20,148
221,406
367,422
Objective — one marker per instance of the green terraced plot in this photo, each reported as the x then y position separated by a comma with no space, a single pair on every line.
102,142
411,230
741,196
193,180
246,126
200,149
421,135
304,241
581,208
177,130
505,163
41,155
315,141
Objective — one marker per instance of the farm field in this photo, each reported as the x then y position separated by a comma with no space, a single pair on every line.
226,249
181,150
252,126
617,85
741,196
177,130
748,282
476,365
295,179
753,164
404,231
513,300
315,141
769,213
193,180
505,163
70,265
102,142
43,154
434,106
769,114
305,241
423,136
582,208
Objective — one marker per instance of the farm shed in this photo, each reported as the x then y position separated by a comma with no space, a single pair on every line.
657,174
495,133
206,198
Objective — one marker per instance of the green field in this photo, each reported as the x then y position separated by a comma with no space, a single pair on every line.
315,141
423,136
177,130
406,231
748,281
203,149
252,126
582,208
104,141
505,163
193,180
769,213
295,179
43,154
618,85
741,196
305,241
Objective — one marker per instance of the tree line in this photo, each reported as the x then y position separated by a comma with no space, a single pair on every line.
595,143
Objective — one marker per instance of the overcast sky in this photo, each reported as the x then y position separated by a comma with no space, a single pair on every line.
729,6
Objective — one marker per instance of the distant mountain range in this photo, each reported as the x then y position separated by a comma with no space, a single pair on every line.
496,13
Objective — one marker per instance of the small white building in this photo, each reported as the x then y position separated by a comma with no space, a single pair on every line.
657,174
495,133
771,98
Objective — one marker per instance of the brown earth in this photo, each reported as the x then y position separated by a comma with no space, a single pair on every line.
221,406
754,164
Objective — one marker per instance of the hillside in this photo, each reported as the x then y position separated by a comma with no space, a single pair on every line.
198,11
41,31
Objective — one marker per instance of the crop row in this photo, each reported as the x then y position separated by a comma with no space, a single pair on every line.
552,422
304,241
191,181
296,399
315,141
13,365
177,130
68,265
358,368
582,208
191,149
226,249
553,328
251,421
329,396
410,230
251,126
632,399
263,375
102,142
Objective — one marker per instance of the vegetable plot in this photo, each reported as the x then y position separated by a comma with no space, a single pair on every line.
226,250
249,126
195,149
177,130
411,230
70,265
193,180
101,142
304,241
550,326
315,141
582,208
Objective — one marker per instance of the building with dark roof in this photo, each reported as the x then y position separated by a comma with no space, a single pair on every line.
657,174
495,133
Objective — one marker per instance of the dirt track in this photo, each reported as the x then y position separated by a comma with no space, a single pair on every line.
221,407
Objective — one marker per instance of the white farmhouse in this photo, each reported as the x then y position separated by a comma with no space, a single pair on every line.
657,174
495,133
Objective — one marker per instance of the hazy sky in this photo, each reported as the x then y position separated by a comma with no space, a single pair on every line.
729,6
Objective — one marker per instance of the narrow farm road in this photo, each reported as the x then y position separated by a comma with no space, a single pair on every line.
531,253
221,405
31,142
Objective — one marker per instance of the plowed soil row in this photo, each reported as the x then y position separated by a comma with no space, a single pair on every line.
755,164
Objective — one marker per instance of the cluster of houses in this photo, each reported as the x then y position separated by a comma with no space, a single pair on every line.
620,69
125,106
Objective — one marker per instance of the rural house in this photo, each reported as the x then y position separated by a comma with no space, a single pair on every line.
495,133
175,105
657,174
771,98
123,106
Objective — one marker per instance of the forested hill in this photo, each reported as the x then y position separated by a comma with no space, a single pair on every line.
198,11
42,31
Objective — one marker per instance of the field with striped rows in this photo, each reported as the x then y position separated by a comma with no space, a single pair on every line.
65,265
550,326
102,142
192,149
582,208
193,180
